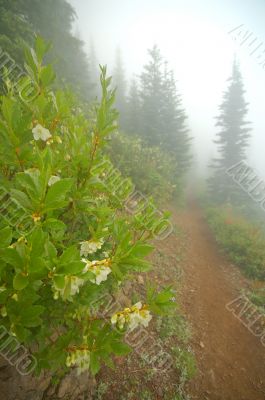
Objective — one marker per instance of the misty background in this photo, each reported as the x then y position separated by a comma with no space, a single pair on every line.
195,37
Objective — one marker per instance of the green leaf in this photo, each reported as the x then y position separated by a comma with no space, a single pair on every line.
47,75
31,62
42,47
20,281
70,255
55,197
163,302
38,239
72,268
30,182
94,363
5,236
120,349
50,250
21,199
164,296
59,281
54,224
37,265
135,264
28,296
11,256
141,250
30,316
21,333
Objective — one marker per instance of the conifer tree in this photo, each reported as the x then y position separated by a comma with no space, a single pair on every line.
132,121
176,137
151,94
94,70
232,139
20,20
119,81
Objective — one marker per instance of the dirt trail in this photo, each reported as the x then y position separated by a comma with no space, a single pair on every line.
231,360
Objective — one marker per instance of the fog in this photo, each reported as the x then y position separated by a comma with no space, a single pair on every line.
132,235
196,38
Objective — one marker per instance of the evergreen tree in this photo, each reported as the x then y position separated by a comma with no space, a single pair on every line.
163,119
132,121
21,20
176,138
151,95
15,29
94,70
232,139
119,82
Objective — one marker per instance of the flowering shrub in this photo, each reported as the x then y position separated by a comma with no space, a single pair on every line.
66,242
244,243
152,169
132,317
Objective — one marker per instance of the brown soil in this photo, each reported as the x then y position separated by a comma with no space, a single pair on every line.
231,359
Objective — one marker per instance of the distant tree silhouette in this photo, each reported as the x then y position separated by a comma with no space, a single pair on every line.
232,140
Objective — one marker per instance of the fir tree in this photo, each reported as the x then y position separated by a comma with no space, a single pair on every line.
120,84
94,70
232,140
175,133
132,121
21,20
151,94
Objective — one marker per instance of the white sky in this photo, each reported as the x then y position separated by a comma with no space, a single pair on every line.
194,37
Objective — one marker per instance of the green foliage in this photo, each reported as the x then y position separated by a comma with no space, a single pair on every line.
78,246
21,20
257,297
163,119
174,326
155,114
184,362
148,166
244,243
162,302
